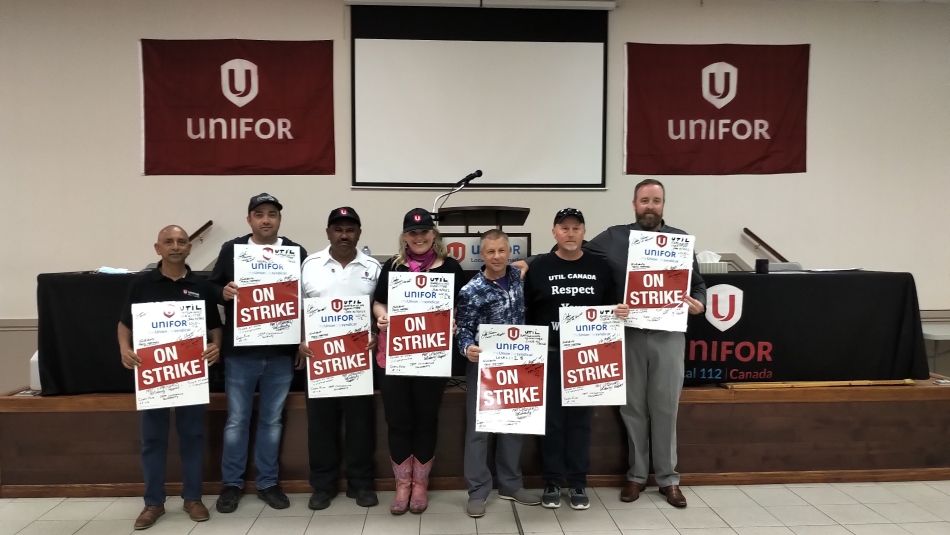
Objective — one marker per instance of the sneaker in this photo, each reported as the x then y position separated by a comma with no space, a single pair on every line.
363,497
579,499
319,500
551,497
521,496
274,497
475,507
228,499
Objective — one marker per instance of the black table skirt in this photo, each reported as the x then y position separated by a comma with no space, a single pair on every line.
832,326
820,326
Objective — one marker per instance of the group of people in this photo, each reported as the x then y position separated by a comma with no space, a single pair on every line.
500,293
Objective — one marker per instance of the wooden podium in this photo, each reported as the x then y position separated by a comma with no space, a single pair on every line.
494,216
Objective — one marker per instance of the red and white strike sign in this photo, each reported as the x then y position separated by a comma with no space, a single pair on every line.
659,270
593,368
266,309
338,333
512,379
169,338
420,324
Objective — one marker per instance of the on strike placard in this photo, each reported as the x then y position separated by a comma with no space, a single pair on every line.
420,324
169,338
593,368
512,379
267,306
338,334
659,270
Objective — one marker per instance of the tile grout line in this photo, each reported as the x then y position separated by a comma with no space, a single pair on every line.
514,511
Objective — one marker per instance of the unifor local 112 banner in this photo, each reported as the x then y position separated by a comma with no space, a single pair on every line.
659,271
419,336
169,338
338,333
716,109
593,368
237,107
267,306
512,379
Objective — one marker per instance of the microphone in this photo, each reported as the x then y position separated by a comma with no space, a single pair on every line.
468,178
456,188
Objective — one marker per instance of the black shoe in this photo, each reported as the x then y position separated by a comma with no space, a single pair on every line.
551,498
274,497
319,500
363,497
228,499
579,499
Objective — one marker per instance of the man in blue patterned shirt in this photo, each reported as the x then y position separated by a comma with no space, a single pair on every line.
495,296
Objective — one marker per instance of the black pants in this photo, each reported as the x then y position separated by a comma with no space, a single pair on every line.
324,417
565,446
412,413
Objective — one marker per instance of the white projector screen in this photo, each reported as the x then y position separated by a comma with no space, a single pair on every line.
528,113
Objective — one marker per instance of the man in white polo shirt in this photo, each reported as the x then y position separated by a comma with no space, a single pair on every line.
340,270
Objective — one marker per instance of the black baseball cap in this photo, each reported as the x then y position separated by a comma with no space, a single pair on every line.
565,213
417,219
263,198
343,212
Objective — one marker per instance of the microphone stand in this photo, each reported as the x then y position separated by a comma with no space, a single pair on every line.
457,188
444,197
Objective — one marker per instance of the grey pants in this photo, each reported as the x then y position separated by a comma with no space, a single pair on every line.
654,380
507,450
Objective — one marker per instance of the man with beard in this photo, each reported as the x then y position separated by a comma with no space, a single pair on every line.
340,270
267,369
655,364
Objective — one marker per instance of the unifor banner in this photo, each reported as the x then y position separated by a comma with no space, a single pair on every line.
716,109
238,107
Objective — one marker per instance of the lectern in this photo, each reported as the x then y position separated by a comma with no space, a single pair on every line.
465,246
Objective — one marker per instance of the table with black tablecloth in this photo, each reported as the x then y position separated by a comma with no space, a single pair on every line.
815,326
803,326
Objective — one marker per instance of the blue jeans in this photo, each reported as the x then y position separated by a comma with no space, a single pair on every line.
190,422
242,375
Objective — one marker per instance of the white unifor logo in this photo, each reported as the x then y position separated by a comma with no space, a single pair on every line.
723,306
720,81
239,81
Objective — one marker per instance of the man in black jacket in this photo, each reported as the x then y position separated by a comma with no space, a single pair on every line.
246,369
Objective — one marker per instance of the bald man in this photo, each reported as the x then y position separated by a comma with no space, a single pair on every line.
171,280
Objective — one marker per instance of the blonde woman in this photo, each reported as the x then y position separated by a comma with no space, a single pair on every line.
412,403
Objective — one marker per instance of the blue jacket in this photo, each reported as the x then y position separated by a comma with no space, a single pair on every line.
484,301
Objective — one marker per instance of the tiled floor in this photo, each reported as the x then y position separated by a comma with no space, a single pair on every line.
921,508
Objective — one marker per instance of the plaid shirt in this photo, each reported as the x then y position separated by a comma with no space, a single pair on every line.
484,301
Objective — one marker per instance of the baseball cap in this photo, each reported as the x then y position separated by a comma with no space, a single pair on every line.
565,213
417,219
263,198
343,212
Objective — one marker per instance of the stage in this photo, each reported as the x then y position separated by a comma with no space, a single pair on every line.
88,445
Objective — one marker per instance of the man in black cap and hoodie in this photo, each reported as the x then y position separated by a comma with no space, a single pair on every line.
268,369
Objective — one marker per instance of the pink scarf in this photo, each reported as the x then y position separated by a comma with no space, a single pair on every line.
420,262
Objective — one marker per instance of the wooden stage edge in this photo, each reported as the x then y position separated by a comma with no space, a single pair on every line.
88,445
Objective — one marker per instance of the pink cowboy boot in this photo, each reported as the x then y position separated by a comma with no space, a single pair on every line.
420,486
403,473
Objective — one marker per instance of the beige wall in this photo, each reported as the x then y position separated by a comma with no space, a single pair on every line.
874,194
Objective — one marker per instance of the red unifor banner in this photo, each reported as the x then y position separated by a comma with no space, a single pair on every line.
716,109
238,107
